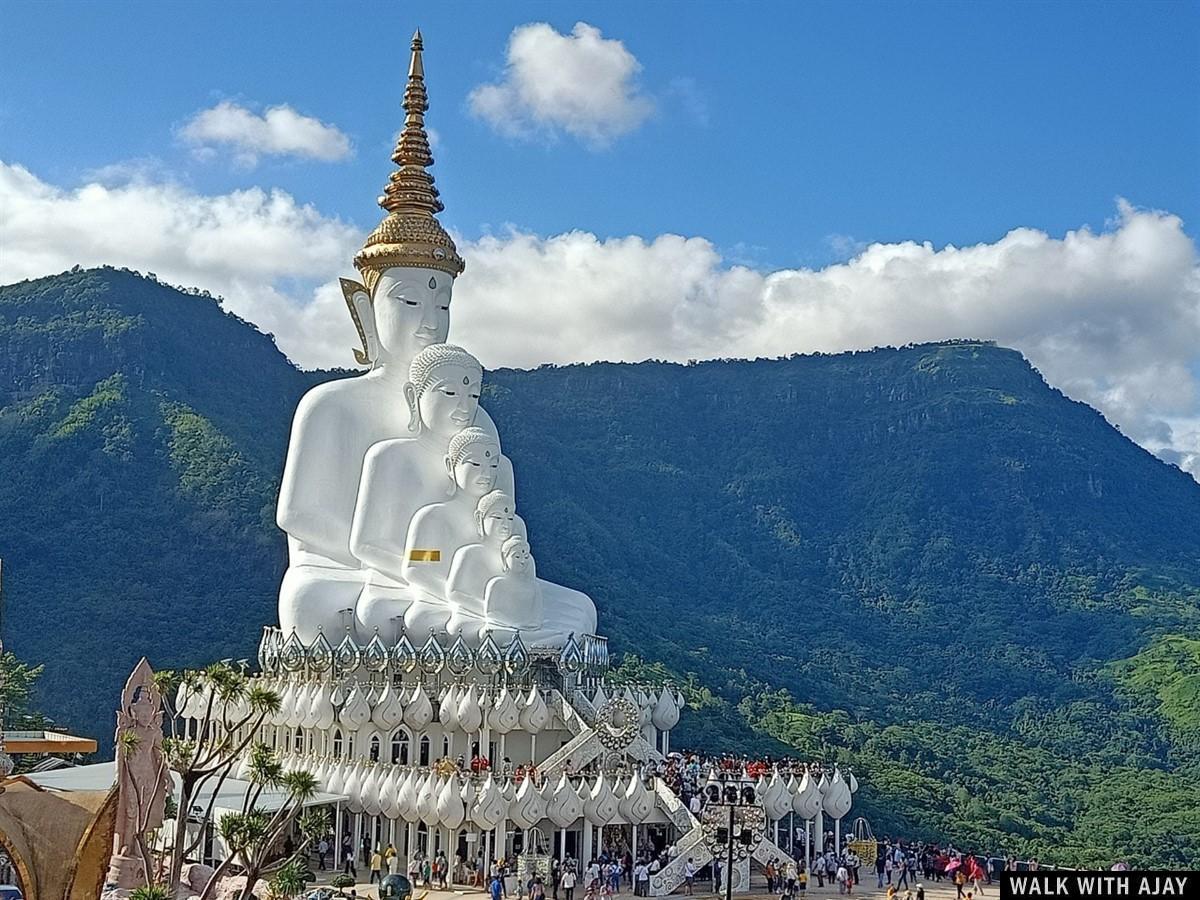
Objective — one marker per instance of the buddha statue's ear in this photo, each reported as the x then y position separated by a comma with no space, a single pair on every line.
479,523
358,301
414,415
450,474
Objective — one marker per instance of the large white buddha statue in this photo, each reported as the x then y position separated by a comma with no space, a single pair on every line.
402,305
369,454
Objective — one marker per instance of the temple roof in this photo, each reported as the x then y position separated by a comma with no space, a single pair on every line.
102,776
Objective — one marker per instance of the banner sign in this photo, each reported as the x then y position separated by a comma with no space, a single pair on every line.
1084,885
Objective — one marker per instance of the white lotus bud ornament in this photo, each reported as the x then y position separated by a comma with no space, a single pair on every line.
519,810
777,802
488,809
448,709
418,712
837,797
389,797
370,791
427,799
636,800
666,712
356,712
601,805
535,716
353,788
565,808
406,797
807,801
470,715
388,711
505,714
450,807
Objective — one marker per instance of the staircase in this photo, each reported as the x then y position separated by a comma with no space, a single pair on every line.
691,846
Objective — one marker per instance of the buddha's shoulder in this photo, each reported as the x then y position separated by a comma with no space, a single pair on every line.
343,395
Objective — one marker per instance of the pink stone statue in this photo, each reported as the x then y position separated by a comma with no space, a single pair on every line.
143,778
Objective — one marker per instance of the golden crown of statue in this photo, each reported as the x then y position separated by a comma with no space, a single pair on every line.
409,234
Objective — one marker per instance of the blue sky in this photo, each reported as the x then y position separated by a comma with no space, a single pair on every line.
775,125
653,180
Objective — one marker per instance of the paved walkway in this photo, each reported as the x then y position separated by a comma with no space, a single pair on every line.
933,891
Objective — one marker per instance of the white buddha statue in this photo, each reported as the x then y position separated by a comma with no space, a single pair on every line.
367,453
477,563
511,598
437,531
402,305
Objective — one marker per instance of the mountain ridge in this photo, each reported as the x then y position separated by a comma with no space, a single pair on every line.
920,542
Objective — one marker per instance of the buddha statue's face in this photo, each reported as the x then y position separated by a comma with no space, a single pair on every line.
518,558
449,403
497,525
412,311
477,469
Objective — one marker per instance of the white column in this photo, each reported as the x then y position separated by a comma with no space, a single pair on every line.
586,857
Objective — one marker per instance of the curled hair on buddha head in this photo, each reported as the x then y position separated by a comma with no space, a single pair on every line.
422,372
490,501
461,442
510,546
473,434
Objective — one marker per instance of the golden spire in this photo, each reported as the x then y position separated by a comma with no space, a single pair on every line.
410,235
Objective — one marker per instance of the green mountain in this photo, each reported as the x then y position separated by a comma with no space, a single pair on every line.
924,562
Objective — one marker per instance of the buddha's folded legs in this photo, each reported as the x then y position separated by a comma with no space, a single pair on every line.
382,607
316,599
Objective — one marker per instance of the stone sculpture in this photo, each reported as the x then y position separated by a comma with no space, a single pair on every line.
143,778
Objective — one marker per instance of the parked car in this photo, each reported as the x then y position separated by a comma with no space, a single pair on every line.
10,892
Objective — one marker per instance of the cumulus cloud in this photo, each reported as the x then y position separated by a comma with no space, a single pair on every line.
1111,317
278,131
580,83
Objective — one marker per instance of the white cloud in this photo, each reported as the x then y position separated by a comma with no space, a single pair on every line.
579,83
279,131
1111,317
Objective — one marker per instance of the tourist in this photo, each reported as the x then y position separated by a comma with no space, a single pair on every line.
716,875
689,876
802,879
322,852
568,882
497,889
376,867
902,871
537,890
841,875
348,866
880,867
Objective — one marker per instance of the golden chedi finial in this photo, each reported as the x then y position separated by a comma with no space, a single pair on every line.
409,234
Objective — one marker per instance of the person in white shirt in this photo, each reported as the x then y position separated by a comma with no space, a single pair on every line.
641,879
695,806
689,876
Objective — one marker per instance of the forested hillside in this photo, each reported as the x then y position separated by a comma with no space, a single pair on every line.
924,561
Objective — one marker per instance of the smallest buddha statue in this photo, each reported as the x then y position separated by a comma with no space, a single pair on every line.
512,599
